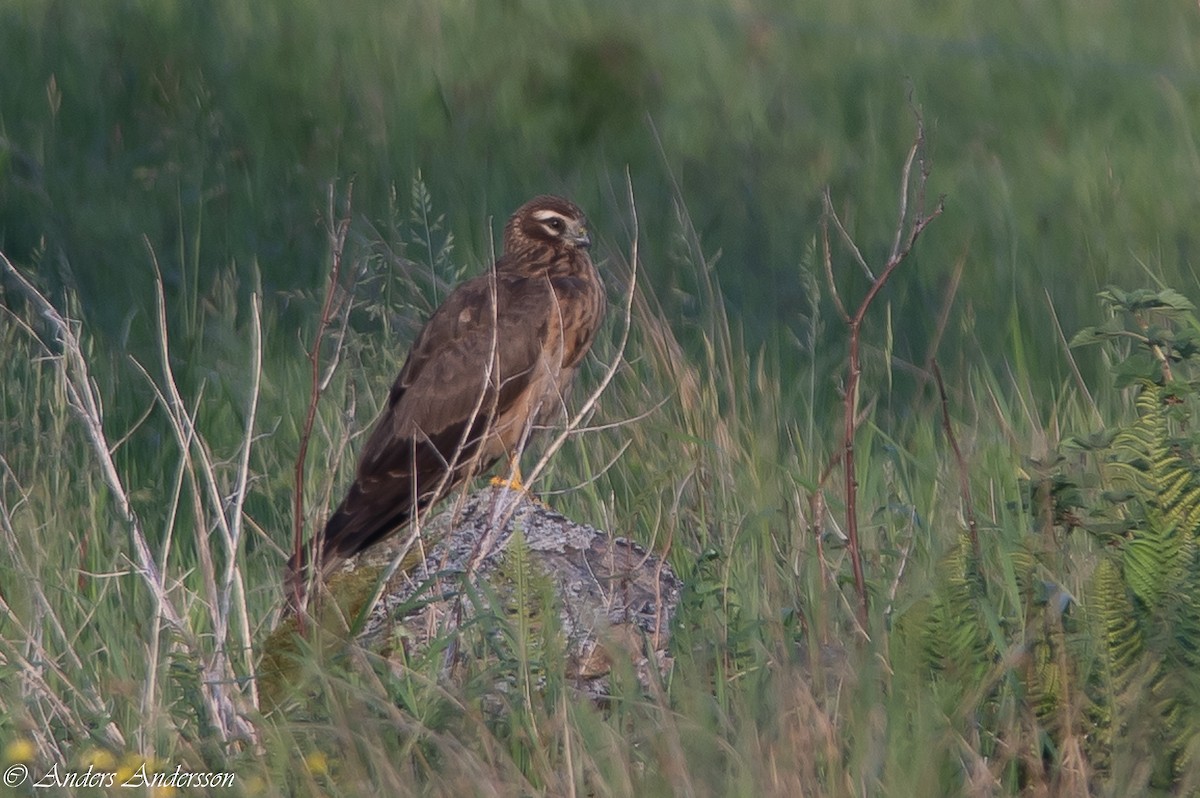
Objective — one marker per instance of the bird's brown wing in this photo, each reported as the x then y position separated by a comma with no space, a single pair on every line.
442,405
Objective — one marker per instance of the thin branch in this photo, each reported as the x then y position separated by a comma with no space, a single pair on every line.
851,478
943,319
84,401
594,477
903,215
233,582
902,245
218,673
337,240
846,237
182,424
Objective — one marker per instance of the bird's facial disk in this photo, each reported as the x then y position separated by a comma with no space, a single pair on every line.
566,228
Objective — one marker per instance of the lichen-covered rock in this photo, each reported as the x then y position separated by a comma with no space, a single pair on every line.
498,548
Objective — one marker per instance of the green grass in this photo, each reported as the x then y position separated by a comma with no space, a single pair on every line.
204,137
1063,137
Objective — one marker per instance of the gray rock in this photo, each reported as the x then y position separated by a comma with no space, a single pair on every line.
614,600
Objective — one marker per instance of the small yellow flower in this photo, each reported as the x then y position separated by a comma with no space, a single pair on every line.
317,763
20,750
100,760
162,791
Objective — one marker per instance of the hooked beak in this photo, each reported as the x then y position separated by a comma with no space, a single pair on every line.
581,239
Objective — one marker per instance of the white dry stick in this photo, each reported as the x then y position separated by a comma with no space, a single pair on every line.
84,400
184,434
154,648
233,581
218,673
83,397
903,212
183,424
218,670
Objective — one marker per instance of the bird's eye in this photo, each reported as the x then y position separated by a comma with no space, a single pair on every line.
555,223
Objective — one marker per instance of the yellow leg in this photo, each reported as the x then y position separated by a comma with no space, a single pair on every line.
512,481
512,478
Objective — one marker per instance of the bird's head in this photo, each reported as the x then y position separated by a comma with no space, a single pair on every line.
546,223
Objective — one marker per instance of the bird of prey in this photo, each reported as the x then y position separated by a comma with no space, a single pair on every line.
490,365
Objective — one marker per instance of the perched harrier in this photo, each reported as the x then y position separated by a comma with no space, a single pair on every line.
490,364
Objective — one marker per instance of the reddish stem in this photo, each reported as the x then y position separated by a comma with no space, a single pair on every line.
337,240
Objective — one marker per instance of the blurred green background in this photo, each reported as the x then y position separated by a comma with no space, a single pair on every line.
1062,134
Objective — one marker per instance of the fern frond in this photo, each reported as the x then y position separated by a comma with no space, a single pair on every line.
1118,632
1146,600
956,636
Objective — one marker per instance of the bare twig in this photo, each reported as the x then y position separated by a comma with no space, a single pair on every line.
218,671
233,586
84,400
337,231
903,214
181,421
908,229
943,318
846,237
